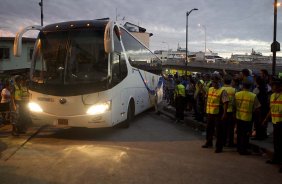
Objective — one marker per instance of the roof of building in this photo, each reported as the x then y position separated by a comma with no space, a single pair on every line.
11,39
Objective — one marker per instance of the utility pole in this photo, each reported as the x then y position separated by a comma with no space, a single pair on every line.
186,50
275,46
41,7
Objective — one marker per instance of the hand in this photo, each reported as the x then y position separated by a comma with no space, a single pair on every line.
264,122
224,116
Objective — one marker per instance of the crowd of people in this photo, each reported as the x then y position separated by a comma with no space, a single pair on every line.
14,98
234,107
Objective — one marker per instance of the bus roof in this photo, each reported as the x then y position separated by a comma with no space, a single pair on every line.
97,23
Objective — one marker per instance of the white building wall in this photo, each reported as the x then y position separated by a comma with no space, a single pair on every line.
15,63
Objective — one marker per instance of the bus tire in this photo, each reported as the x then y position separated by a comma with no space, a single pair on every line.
130,115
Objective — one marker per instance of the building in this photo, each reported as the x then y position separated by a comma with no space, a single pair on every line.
179,54
256,57
9,64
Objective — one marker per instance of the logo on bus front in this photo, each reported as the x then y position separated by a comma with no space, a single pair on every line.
44,99
63,101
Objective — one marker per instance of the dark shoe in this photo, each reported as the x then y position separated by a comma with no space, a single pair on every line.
15,133
218,151
272,162
244,153
231,145
6,122
206,146
255,138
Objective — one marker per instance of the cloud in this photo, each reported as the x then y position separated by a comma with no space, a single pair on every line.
231,25
237,41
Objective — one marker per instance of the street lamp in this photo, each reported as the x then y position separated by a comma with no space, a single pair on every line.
205,28
186,52
275,46
41,7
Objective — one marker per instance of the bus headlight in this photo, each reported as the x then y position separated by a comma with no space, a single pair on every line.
34,107
99,108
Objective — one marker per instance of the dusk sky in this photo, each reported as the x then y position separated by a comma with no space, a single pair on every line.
232,26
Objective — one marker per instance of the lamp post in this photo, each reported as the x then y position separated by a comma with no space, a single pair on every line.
205,28
186,52
41,7
275,46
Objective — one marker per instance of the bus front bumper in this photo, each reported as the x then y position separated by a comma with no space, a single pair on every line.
89,121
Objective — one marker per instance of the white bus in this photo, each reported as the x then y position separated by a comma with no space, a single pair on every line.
90,73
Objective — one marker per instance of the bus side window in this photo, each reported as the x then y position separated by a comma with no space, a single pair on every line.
119,68
123,67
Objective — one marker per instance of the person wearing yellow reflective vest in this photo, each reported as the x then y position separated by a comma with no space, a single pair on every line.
276,116
229,121
216,109
246,103
19,124
179,96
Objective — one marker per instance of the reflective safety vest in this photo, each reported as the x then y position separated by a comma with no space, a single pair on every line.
18,93
276,107
25,93
179,90
244,105
213,101
231,95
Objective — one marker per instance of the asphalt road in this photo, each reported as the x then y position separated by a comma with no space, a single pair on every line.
153,150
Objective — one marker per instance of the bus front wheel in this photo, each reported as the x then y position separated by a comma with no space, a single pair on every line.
130,114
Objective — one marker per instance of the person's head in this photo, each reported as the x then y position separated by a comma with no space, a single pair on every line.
18,79
207,77
276,85
247,84
216,80
235,82
264,73
246,72
259,81
227,79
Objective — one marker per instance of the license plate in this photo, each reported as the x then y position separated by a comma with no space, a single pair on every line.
63,122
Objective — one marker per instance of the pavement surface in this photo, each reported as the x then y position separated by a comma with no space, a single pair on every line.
264,146
153,149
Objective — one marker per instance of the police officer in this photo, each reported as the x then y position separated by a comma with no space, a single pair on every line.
229,121
216,109
246,103
18,124
276,116
179,94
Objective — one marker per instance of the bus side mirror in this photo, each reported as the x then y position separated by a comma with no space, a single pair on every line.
17,45
108,38
18,39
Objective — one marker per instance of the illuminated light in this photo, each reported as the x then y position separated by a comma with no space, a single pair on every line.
57,26
278,4
34,107
99,108
71,25
88,25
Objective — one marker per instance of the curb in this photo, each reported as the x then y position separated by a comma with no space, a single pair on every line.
169,112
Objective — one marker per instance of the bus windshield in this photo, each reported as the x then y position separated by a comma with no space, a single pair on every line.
64,59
